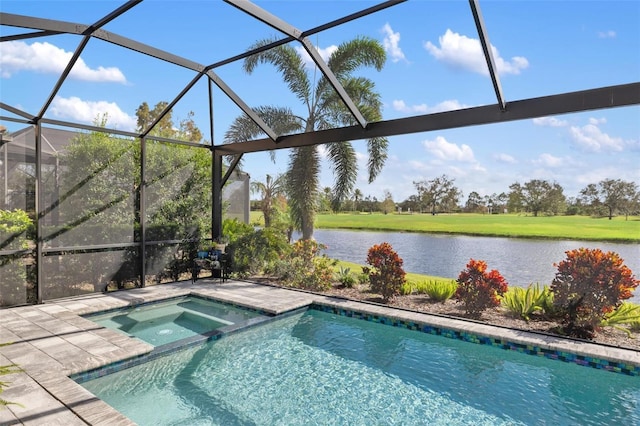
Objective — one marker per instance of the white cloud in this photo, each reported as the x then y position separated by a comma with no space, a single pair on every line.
607,34
76,109
449,151
325,54
596,121
463,52
391,43
591,138
548,160
550,122
448,105
505,158
16,56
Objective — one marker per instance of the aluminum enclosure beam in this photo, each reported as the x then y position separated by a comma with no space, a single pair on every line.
28,35
282,26
600,98
53,25
488,54
312,31
16,111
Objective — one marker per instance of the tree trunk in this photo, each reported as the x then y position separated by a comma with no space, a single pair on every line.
307,229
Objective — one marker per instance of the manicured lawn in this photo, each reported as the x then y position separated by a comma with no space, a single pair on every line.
411,277
509,225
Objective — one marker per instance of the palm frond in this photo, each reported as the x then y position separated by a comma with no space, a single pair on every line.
281,120
288,62
377,148
343,160
359,52
302,185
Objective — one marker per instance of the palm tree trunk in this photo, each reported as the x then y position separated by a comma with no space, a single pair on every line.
302,180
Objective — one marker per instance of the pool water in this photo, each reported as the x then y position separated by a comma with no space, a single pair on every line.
166,322
318,368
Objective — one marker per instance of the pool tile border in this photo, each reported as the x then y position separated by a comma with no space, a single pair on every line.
587,361
180,345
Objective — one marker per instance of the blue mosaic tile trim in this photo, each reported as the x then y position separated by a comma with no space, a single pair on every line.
603,364
179,345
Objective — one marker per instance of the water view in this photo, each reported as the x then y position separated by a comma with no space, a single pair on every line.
520,261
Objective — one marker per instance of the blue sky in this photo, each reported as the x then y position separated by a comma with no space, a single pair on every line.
434,64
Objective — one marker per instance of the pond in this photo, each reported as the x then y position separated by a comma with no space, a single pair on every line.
520,261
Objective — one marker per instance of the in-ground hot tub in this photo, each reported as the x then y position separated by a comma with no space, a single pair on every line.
172,320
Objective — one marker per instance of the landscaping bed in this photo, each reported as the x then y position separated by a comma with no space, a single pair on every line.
494,316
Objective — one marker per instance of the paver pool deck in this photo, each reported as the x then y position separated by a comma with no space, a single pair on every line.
52,341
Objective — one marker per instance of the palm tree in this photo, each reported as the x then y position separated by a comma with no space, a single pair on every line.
324,110
357,196
268,190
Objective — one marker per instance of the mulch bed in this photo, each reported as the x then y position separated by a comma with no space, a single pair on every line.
496,316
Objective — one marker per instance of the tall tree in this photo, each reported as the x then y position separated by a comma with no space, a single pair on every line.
387,205
474,202
324,110
178,178
357,196
614,194
269,190
439,194
502,199
539,196
100,194
515,204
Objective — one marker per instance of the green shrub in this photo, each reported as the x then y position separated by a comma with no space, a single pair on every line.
16,231
479,290
256,252
233,229
523,302
363,277
345,277
407,288
306,267
626,314
386,274
588,285
419,287
440,291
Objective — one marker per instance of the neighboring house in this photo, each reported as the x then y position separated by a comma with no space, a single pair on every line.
18,160
235,197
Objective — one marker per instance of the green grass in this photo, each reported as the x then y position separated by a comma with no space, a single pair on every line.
410,277
504,225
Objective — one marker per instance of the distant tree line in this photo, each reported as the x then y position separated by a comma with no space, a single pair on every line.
607,198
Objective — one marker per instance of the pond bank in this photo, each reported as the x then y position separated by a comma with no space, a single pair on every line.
520,261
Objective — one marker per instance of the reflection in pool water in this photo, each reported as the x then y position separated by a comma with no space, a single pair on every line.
319,368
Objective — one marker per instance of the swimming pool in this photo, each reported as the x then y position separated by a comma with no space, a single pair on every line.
165,322
318,368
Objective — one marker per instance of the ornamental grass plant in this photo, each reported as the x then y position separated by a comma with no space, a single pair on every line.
523,302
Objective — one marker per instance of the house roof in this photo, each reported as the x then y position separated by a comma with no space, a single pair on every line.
21,144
